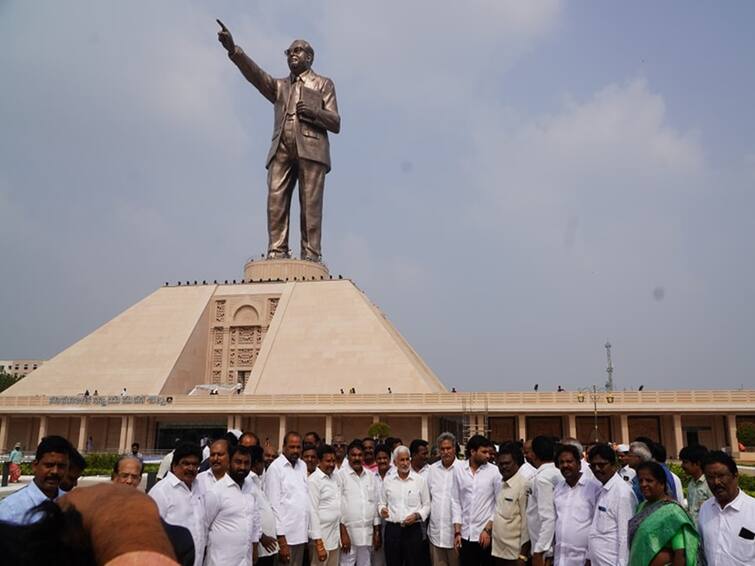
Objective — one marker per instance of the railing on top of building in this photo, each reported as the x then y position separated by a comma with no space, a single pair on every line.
491,401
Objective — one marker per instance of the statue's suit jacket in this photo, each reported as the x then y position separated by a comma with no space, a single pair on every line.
311,137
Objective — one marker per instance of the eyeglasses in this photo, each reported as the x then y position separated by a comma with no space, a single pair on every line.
125,476
339,445
298,50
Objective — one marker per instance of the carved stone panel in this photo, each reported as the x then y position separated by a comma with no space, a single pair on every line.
220,311
246,357
272,307
218,336
217,359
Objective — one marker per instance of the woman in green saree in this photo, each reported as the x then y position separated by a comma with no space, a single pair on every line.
661,532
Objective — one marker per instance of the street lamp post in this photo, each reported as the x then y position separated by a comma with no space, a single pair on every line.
595,395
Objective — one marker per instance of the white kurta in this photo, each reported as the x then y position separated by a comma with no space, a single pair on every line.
440,482
361,494
541,513
267,518
232,522
325,508
179,505
575,507
286,489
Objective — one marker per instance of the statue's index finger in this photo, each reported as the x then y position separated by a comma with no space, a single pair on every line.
221,24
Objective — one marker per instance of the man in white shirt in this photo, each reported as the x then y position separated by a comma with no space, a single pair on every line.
404,504
608,539
231,514
541,512
267,549
527,469
511,539
626,472
420,451
476,486
727,520
574,497
440,482
360,523
177,498
325,510
220,461
286,488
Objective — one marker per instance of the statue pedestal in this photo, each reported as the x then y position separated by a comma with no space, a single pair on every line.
285,270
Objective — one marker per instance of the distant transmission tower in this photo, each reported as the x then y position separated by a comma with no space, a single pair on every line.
609,369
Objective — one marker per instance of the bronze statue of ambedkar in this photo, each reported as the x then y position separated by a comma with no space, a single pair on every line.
305,111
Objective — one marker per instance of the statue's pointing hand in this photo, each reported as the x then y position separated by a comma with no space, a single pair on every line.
225,38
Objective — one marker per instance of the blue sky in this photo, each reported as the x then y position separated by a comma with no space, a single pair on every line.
515,182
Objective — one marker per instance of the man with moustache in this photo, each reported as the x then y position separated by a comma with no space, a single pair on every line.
360,523
325,510
368,460
286,488
231,514
178,499
608,541
511,539
220,461
339,445
727,520
309,455
574,498
49,467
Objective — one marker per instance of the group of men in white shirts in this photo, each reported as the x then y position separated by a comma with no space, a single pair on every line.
537,504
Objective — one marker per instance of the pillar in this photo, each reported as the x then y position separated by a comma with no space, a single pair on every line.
43,428
329,428
521,427
83,431
281,430
231,421
129,432
678,436
122,438
571,426
425,427
731,433
151,444
624,426
375,419
4,426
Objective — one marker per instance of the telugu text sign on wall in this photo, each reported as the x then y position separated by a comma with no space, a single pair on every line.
105,400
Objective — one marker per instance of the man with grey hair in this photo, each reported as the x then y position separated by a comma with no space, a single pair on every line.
127,470
440,481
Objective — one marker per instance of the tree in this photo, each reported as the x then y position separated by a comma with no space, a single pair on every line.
6,380
746,433
379,430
